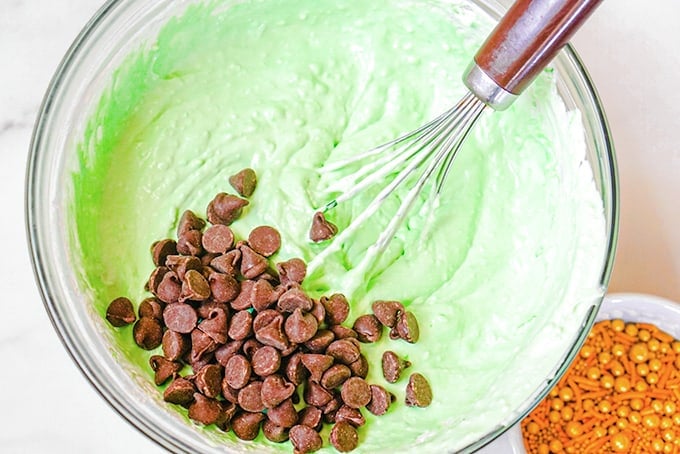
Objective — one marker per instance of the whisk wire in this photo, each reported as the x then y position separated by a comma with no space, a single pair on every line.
376,171
437,142
447,148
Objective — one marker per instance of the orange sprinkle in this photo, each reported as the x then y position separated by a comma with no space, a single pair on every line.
625,338
629,396
663,337
595,394
603,398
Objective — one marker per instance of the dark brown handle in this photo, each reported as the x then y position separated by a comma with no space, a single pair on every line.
528,37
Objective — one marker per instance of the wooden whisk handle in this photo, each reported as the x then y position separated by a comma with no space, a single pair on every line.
528,37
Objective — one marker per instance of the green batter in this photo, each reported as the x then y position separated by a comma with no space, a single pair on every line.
500,274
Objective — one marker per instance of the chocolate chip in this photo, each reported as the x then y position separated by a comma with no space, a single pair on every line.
359,367
355,392
155,279
252,263
380,400
316,395
120,312
277,292
295,298
189,243
217,239
337,308
265,240
296,371
244,182
250,397
274,433
180,264
201,345
292,271
223,287
240,325
195,287
180,317
300,327
266,361
316,364
228,263
205,410
344,437
418,391
311,416
387,311
319,312
268,326
180,392
251,346
189,221
407,327
148,333
305,439
175,345
151,307
368,328
289,350
331,409
170,288
335,376
205,308
320,342
344,351
225,208
246,425
230,394
161,249
284,414
228,411
351,415
237,371
208,380
394,334
226,351
392,366
208,257
321,229
270,275
199,362
215,325
275,389
342,332
255,294
163,369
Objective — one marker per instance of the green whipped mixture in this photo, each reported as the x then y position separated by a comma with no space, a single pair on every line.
500,273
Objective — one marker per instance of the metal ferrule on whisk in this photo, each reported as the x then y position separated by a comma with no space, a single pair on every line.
486,89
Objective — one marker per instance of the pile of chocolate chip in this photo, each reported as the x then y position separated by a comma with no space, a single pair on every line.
256,342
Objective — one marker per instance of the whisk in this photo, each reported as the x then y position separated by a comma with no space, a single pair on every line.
525,40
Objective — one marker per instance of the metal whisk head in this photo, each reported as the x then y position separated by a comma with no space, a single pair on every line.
428,149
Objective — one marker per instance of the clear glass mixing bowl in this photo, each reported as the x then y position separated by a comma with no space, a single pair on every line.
118,28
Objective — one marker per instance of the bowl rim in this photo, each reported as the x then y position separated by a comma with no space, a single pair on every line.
40,270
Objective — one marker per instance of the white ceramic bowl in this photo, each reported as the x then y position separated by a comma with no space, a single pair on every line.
631,307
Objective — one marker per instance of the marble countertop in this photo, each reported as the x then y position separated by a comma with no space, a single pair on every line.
630,48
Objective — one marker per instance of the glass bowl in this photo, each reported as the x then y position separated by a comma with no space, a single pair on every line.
117,29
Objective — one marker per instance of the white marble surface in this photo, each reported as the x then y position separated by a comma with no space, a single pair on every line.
46,405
